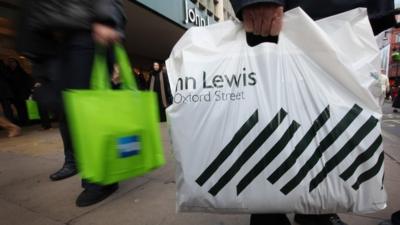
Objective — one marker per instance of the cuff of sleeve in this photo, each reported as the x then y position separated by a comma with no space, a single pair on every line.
238,7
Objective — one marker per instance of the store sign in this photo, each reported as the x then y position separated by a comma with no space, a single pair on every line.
194,16
185,13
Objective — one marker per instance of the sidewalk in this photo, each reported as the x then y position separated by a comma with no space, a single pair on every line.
27,196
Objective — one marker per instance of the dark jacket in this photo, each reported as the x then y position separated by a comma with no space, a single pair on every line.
5,90
380,11
40,19
20,83
75,14
140,81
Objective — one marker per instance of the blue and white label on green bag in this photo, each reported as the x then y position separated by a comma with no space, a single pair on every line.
128,146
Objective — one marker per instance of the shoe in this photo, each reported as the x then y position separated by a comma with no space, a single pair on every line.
90,197
386,222
46,127
396,218
64,172
273,219
325,219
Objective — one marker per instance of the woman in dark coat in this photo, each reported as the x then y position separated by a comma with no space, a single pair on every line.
21,85
159,83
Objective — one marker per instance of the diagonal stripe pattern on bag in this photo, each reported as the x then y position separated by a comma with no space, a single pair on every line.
370,173
300,147
290,161
229,148
248,152
365,156
268,158
323,146
361,133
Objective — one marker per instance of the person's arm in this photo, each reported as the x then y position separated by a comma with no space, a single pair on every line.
264,17
260,17
381,14
108,21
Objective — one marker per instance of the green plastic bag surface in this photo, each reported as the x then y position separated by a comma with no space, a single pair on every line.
32,108
115,133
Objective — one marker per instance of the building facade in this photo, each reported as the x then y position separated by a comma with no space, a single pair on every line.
393,37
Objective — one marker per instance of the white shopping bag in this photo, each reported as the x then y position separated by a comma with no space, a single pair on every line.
287,127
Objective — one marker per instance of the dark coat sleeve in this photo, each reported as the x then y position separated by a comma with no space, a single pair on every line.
110,12
380,11
168,92
238,5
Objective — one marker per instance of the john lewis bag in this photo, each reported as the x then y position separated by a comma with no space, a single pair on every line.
276,128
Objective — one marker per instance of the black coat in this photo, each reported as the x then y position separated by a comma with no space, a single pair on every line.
20,83
380,11
5,90
40,19
166,90
75,14
141,81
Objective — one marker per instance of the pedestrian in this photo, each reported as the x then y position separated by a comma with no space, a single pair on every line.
44,113
263,18
159,83
385,87
12,129
6,96
21,85
140,79
61,40
396,99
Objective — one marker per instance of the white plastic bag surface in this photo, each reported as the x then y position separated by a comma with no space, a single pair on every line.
275,128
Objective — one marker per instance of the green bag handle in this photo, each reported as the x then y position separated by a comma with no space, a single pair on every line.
100,79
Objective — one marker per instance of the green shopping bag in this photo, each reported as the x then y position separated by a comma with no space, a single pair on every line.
33,110
115,133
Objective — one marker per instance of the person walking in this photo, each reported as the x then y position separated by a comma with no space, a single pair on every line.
140,79
264,18
67,34
21,85
159,83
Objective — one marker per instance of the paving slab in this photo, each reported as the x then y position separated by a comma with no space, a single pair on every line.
13,214
15,167
57,199
153,204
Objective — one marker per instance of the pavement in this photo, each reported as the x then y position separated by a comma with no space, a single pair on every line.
27,196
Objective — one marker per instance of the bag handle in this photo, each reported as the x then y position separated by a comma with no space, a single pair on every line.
100,79
254,40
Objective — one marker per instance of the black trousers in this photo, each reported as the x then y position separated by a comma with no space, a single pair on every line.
22,111
44,114
7,109
74,66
